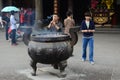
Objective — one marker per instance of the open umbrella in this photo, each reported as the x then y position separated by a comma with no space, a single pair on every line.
10,8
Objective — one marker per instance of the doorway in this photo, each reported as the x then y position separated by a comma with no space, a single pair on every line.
79,8
24,3
47,8
63,7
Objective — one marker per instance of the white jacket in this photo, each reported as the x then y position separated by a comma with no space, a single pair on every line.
13,22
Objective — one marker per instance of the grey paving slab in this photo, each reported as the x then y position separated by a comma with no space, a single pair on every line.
14,61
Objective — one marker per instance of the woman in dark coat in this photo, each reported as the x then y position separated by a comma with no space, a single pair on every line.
6,20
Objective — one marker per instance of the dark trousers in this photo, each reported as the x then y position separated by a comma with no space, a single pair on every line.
6,32
13,35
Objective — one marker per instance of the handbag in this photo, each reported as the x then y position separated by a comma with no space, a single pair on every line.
9,30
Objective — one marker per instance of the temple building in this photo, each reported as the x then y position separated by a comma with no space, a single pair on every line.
104,12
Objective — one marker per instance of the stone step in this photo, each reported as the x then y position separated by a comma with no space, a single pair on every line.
107,30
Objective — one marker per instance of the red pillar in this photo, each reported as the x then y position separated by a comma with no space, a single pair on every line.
114,20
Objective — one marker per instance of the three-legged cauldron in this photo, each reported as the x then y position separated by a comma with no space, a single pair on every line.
51,48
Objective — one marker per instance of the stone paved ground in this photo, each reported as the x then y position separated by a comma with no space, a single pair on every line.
14,61
107,56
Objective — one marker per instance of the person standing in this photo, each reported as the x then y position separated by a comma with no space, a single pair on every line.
55,25
32,18
22,18
69,22
1,21
13,28
6,19
88,28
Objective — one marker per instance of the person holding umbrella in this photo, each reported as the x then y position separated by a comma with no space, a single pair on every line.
13,27
10,8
